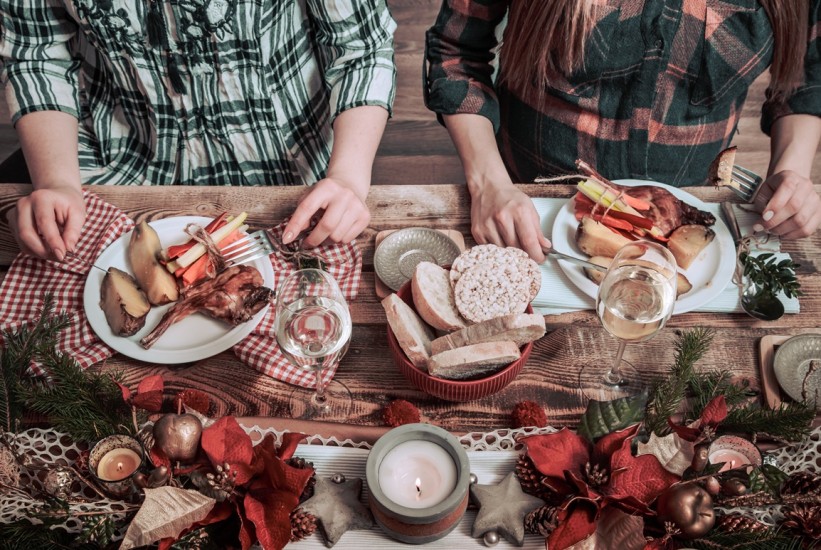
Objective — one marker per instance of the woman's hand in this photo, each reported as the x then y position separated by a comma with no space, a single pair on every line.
47,223
794,211
345,214
501,214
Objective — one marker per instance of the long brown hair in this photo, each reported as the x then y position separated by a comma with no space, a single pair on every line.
551,34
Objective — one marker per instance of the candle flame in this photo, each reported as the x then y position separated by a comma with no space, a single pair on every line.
418,487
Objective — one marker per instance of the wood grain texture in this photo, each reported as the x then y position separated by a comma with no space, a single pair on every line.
573,339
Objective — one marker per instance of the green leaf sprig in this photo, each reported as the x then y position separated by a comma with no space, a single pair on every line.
771,275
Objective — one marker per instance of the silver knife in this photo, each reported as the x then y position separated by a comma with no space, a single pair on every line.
731,221
575,260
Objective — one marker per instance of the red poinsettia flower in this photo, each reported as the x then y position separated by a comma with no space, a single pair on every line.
705,426
592,477
266,489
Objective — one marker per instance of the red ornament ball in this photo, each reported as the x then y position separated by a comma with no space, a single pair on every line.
399,412
529,413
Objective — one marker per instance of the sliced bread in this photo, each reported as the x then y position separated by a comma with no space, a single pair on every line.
411,332
521,328
474,360
433,297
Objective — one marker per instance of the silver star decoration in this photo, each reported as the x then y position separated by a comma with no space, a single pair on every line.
502,508
337,508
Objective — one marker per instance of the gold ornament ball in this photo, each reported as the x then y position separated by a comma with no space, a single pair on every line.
58,482
689,507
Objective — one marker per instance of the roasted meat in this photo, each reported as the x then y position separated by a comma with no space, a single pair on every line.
667,211
233,296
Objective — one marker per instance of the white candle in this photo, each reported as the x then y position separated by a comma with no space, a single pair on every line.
417,474
118,464
731,459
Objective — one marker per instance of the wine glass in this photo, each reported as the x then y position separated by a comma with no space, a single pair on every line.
313,329
635,300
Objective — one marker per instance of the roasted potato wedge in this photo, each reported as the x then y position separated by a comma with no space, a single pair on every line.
144,250
124,304
596,239
687,242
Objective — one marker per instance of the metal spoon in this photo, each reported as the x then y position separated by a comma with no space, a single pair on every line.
755,303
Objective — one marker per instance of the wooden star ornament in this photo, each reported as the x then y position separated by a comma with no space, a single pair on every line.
337,509
502,508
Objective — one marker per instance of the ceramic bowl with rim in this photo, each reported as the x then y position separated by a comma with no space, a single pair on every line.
797,367
454,390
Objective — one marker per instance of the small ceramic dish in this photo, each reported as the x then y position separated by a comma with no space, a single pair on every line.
401,251
797,366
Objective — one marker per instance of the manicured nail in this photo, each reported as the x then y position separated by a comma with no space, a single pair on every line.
768,215
758,228
287,237
60,255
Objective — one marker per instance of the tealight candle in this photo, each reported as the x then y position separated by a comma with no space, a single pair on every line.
113,460
417,474
418,477
734,451
118,464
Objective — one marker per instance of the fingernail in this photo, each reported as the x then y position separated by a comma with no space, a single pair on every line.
758,228
60,255
768,215
287,237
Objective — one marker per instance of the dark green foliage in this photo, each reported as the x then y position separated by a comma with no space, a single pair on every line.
772,539
770,275
791,421
604,417
766,478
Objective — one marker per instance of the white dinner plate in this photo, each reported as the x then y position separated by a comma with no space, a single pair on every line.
709,273
195,337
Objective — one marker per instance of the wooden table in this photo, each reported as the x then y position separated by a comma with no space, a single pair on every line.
572,339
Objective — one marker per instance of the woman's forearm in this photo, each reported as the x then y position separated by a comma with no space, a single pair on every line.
357,133
49,143
794,144
476,144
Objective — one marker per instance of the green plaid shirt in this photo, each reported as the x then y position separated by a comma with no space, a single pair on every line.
659,96
262,82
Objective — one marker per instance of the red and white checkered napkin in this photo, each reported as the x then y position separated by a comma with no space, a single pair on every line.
30,278
260,349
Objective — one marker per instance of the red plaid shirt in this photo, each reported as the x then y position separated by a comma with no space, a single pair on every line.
659,96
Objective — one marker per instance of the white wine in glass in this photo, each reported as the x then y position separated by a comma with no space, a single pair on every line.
635,300
313,330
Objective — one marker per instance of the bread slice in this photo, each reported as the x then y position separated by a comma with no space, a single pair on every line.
474,360
433,297
521,328
411,332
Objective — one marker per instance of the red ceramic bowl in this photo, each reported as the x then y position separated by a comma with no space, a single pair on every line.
453,390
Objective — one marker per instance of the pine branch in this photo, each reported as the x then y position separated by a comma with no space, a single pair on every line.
83,404
25,535
791,421
667,394
706,386
772,539
20,348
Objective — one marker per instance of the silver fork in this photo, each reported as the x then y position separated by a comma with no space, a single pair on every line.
747,185
248,248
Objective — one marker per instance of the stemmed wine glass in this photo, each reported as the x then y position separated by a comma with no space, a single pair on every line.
635,300
313,329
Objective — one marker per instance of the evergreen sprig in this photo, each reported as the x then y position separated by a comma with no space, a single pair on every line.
773,538
791,421
86,405
21,347
771,275
667,394
709,385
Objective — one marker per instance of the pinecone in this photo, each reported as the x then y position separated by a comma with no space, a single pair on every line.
804,519
801,483
303,524
541,521
531,479
739,523
301,464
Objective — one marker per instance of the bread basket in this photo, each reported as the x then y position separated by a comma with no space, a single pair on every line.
454,390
